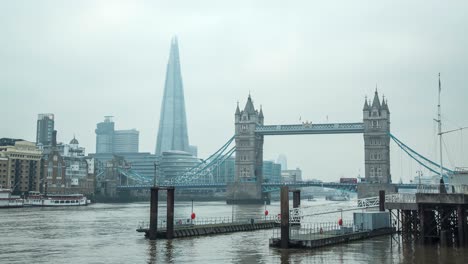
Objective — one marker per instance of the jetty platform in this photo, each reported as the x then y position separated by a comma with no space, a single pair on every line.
316,240
212,229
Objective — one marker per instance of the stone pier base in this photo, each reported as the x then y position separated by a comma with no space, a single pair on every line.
246,193
365,190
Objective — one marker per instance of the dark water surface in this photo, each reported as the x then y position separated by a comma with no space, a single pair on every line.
105,233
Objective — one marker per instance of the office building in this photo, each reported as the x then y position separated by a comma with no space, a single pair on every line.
109,140
105,136
126,141
172,133
175,163
271,171
291,175
45,127
20,166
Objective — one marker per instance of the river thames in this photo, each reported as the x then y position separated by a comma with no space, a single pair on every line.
105,233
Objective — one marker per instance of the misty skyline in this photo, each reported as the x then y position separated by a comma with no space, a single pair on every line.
315,61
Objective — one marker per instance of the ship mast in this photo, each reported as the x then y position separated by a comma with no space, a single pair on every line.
439,120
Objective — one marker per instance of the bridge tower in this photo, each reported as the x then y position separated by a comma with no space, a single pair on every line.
376,117
247,185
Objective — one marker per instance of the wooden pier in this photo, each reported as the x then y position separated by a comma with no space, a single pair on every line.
211,229
189,230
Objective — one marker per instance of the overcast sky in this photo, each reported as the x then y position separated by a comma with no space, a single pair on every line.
82,60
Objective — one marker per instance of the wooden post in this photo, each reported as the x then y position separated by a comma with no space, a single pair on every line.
170,213
461,224
422,225
153,213
398,220
465,226
382,200
296,198
284,217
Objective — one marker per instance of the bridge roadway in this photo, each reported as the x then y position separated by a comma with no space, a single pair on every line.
309,128
265,186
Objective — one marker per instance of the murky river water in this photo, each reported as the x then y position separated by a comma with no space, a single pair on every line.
105,233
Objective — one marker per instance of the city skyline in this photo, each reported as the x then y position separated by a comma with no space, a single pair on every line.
294,68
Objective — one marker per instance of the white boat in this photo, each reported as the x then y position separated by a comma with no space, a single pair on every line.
38,199
337,197
9,201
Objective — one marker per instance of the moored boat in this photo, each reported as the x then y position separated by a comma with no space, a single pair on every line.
38,199
337,197
9,201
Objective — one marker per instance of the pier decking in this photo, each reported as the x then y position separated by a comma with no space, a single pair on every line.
212,229
316,240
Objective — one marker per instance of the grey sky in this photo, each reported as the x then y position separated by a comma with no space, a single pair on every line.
82,60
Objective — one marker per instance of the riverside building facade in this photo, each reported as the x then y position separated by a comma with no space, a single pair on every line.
20,166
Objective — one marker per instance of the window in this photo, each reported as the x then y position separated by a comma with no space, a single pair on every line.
372,171
379,172
245,172
59,170
375,123
49,169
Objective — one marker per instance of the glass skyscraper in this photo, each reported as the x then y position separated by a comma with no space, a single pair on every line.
172,134
45,127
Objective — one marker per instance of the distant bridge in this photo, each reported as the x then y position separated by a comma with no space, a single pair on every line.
266,187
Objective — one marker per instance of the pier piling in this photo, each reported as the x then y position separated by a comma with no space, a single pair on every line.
382,200
170,213
296,198
153,213
284,217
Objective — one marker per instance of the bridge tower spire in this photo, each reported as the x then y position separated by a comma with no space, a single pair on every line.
376,119
247,185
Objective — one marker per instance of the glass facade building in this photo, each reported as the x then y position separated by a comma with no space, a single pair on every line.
105,136
126,140
172,133
45,127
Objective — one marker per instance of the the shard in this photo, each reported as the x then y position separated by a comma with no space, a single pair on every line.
172,133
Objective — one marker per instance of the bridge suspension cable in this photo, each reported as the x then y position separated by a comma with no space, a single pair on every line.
418,157
217,153
204,170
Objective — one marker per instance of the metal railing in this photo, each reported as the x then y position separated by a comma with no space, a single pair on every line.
368,202
400,198
311,231
428,188
187,222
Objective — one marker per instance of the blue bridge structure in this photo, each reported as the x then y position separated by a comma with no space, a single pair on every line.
266,187
247,147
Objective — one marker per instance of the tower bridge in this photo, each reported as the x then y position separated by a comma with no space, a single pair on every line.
266,187
250,131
